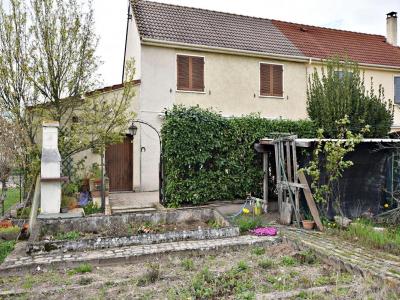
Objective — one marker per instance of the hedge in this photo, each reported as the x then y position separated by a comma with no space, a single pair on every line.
209,157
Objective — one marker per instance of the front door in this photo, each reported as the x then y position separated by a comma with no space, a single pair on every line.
119,165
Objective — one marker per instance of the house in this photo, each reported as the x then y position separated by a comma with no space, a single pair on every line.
237,65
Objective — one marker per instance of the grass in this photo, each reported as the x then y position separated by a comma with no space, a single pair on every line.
81,269
12,198
288,261
152,274
363,233
5,249
258,251
265,263
188,264
70,236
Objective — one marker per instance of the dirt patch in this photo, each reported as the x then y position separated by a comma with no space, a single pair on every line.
240,274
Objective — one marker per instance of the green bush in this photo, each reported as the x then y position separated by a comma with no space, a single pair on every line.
208,157
246,223
81,269
331,97
5,249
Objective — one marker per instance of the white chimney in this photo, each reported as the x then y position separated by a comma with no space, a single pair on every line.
391,28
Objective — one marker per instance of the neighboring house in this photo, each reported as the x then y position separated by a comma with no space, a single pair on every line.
237,65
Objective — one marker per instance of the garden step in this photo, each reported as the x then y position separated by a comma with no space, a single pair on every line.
341,253
129,254
121,209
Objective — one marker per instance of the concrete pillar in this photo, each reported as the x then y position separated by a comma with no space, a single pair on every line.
50,201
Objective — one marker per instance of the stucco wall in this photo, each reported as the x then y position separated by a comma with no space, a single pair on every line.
133,49
231,87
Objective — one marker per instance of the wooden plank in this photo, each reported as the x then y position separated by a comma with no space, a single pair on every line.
296,176
310,201
288,162
278,175
265,183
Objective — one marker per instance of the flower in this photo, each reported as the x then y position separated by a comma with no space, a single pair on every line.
246,210
386,205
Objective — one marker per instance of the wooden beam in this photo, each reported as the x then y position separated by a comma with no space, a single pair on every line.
310,201
265,183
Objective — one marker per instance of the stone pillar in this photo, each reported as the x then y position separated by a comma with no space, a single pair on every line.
50,201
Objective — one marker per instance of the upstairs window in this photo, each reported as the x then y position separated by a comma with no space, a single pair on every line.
397,89
271,80
341,74
190,73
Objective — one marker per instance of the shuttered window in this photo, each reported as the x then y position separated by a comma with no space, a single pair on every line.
271,80
397,89
190,73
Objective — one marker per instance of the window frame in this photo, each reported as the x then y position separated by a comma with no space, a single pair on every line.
176,73
259,80
394,90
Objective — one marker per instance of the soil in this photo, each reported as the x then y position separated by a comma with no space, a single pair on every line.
173,276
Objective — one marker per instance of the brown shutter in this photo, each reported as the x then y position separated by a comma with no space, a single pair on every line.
197,73
183,72
265,80
277,76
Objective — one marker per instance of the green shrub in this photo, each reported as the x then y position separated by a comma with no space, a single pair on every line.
246,223
91,209
331,97
208,157
5,249
81,269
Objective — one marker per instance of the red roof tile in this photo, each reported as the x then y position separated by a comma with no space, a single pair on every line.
319,42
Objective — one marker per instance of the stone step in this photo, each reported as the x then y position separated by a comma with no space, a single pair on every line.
120,209
129,254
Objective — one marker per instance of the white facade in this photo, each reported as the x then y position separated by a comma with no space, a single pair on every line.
231,88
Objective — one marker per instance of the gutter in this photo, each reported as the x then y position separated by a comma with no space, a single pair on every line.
222,50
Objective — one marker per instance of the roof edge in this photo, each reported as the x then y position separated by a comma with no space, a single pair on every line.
197,47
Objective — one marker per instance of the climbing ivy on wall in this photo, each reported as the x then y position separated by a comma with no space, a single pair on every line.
209,157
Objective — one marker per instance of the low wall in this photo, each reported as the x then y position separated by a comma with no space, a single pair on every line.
99,223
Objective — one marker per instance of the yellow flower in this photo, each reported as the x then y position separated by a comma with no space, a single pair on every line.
386,205
246,210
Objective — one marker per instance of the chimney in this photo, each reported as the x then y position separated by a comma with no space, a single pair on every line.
391,28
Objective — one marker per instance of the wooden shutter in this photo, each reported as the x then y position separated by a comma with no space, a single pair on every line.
197,73
265,80
271,80
277,78
190,75
183,72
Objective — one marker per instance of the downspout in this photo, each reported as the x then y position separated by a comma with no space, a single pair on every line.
126,40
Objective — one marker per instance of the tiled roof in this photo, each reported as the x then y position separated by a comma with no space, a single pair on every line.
166,22
210,28
321,42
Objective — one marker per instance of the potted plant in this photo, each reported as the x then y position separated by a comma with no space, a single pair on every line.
68,200
308,222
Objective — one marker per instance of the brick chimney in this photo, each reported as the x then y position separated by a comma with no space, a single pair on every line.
391,28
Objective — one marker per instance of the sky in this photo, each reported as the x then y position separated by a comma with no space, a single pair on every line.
367,16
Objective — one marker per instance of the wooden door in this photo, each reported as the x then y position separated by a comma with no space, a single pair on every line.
119,165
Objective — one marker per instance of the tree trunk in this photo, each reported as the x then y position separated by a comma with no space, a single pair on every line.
3,195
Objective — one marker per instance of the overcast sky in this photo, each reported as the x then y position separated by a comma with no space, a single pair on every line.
357,15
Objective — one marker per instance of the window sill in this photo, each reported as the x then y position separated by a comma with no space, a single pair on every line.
272,97
190,92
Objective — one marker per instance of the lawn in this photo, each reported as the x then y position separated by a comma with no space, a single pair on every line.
12,198
363,233
245,273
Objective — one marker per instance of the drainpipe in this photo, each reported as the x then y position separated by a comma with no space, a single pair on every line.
126,39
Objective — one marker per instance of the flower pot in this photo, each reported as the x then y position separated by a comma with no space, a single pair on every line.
308,224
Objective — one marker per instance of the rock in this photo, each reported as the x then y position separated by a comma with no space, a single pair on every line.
342,221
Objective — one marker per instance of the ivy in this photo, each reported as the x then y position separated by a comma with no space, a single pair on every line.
208,157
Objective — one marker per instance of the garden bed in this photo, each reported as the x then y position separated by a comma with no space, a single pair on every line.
99,232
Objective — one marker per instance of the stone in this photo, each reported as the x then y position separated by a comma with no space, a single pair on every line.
342,221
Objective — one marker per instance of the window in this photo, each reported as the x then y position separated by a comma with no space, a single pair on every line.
341,74
190,73
271,80
397,89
